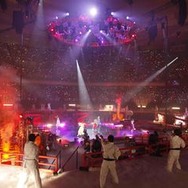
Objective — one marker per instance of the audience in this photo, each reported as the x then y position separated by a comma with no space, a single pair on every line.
96,144
53,73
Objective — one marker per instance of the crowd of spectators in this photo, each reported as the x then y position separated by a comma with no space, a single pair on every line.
51,75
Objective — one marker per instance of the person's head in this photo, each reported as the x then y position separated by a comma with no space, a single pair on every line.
111,138
178,132
155,133
32,137
97,137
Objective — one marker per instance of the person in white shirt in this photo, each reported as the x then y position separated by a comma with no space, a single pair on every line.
176,143
30,164
111,153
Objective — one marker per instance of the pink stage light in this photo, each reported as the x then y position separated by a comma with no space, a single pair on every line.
62,125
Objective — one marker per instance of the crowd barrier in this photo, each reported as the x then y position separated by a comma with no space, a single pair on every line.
94,159
16,159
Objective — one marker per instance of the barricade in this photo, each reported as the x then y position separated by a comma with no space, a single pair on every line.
16,159
91,159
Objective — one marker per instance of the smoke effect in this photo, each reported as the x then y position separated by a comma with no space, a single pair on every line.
8,107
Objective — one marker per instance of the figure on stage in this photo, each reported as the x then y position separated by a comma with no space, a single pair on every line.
133,126
99,124
81,129
95,126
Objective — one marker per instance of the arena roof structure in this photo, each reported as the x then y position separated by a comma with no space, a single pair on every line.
160,24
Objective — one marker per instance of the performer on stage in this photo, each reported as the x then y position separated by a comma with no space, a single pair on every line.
95,126
81,129
99,124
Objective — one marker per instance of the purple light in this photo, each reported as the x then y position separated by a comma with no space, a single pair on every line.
80,140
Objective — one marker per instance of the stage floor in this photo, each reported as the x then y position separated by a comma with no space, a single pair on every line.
71,135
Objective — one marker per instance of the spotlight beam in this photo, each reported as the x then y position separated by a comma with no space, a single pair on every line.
147,81
108,38
83,93
84,38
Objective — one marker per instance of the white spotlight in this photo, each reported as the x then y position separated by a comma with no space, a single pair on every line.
113,13
93,11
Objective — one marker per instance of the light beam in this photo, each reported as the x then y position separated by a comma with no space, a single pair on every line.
83,93
147,81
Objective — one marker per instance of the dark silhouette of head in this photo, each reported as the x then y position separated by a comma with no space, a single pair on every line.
178,132
32,137
155,132
111,138
97,137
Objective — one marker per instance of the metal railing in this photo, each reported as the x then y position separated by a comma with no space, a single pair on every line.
92,159
55,160
16,159
70,157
